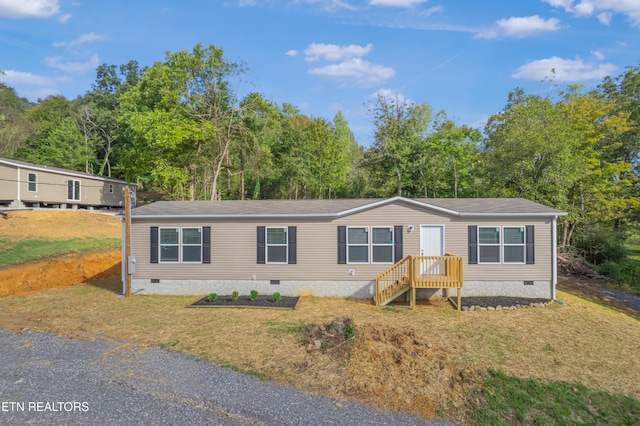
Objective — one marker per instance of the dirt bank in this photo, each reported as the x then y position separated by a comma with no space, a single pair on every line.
60,272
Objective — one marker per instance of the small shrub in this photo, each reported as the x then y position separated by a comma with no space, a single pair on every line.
212,297
253,295
235,295
277,296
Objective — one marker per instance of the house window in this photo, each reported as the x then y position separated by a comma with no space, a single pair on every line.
73,190
358,245
180,245
489,244
170,245
382,244
191,245
514,244
277,245
32,182
110,188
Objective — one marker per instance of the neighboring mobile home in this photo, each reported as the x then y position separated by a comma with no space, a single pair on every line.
29,185
339,247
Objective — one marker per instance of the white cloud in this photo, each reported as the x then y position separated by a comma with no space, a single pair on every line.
65,18
630,8
598,55
329,5
18,77
29,8
364,72
293,53
333,52
519,27
564,70
73,67
604,17
396,3
85,38
431,11
392,95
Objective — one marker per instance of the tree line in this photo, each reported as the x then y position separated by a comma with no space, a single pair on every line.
181,127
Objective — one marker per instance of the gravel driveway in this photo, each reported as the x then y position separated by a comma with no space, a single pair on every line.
47,379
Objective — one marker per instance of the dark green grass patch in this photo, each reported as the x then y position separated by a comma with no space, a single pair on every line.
514,401
14,253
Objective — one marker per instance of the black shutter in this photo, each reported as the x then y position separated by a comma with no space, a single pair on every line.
292,245
397,243
261,244
342,244
473,244
154,244
206,244
531,258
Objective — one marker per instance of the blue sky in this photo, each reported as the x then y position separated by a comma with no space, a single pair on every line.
329,55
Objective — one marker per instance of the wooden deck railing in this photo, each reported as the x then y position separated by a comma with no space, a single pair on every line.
414,272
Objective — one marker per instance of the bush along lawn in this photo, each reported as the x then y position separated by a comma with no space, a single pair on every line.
515,401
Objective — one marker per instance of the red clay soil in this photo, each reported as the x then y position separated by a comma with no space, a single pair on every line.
60,272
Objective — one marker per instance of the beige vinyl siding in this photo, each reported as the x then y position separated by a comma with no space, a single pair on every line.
233,247
8,185
52,189
456,237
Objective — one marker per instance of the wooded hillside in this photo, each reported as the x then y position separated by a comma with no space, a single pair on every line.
184,127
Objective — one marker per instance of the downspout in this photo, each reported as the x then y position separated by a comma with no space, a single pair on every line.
554,257
18,182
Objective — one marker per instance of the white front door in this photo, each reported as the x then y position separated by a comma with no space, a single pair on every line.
431,244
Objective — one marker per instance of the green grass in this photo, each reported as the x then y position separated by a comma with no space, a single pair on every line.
14,253
625,273
514,401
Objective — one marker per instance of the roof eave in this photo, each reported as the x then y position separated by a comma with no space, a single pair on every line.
553,214
394,199
232,216
65,172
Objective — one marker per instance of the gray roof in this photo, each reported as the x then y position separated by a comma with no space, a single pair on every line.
340,207
30,166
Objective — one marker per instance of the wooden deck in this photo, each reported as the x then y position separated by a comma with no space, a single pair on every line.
414,272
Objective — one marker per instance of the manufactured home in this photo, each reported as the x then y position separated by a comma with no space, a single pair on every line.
360,248
29,185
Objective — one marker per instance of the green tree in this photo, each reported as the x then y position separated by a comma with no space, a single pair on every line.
56,140
99,110
182,119
400,126
553,153
14,127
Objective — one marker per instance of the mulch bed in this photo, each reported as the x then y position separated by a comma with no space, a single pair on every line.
265,302
499,301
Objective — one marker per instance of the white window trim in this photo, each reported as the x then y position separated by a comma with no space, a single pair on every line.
29,182
160,244
73,183
502,245
523,245
499,245
393,240
266,245
368,245
180,245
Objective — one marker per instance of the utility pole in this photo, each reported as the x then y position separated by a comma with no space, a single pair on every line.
127,240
